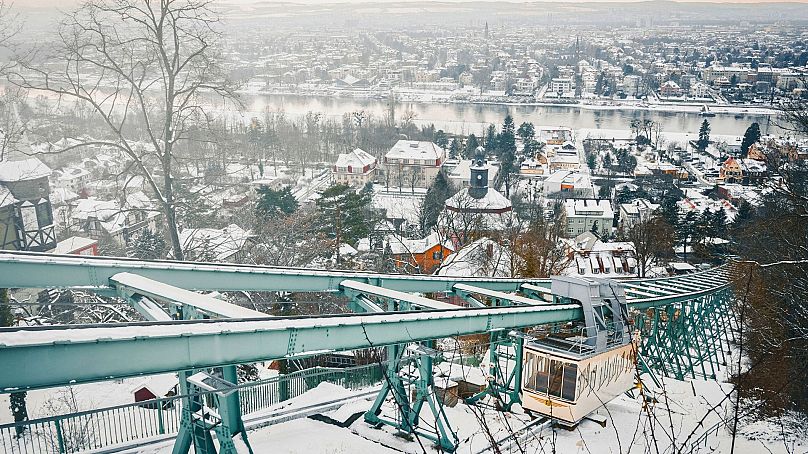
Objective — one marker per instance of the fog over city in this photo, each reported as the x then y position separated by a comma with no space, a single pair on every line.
403,226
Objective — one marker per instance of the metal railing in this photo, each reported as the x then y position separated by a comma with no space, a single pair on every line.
125,424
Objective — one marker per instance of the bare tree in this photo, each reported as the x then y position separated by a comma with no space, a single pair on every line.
141,67
652,238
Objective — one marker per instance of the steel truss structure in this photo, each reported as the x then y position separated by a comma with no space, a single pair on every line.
682,320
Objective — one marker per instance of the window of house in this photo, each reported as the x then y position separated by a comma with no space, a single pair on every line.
29,217
437,255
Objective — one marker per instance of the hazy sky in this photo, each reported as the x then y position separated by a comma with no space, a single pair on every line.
67,3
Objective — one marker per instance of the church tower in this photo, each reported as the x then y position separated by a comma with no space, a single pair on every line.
478,183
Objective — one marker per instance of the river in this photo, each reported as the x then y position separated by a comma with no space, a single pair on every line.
473,118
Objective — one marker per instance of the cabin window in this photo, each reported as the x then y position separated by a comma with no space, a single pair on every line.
537,374
556,377
542,376
568,387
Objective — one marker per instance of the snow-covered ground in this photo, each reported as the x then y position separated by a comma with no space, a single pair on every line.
679,416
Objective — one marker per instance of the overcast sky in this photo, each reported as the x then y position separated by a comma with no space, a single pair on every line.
67,3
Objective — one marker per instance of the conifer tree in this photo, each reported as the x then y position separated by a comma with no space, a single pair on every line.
704,136
750,137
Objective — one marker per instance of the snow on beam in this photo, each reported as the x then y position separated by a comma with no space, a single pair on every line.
54,356
129,285
515,299
353,289
149,309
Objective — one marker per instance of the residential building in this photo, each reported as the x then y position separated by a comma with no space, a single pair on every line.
560,85
26,216
635,212
356,168
567,183
670,89
588,255
102,219
743,171
229,244
422,256
413,164
585,215
564,162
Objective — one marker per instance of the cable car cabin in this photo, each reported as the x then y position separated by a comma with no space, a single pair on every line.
572,372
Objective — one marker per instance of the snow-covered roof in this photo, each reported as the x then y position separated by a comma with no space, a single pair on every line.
399,206
460,171
6,198
491,201
356,159
23,170
60,196
399,245
414,149
73,244
218,244
589,207
482,258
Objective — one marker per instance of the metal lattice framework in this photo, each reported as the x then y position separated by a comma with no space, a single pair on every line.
682,320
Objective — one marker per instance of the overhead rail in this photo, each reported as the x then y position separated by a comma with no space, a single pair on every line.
25,270
56,356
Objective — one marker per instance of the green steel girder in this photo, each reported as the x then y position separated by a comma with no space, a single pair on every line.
48,357
40,270
188,305
686,338
27,270
399,379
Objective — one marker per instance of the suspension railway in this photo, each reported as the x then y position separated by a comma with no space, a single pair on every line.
673,326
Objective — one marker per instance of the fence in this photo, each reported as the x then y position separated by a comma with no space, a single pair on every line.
124,424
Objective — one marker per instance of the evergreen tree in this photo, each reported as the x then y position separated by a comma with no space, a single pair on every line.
6,317
626,162
273,202
490,139
441,139
454,148
344,214
704,136
434,202
718,223
592,161
148,246
607,162
750,137
471,146
689,231
624,195
506,150
669,211
527,132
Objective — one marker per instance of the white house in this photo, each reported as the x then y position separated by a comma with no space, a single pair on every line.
356,168
412,163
